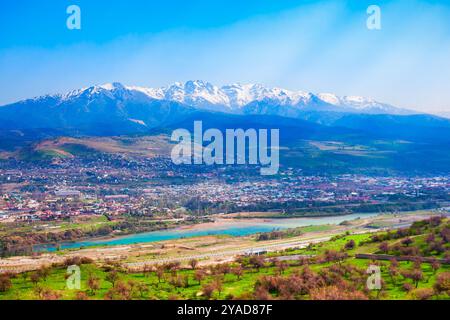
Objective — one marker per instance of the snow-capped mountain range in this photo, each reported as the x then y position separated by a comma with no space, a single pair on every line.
114,108
236,98
118,110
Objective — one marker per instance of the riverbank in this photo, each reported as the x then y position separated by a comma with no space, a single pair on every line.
208,249
325,268
221,227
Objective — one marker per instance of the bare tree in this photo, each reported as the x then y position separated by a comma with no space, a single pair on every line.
199,275
238,271
112,277
384,247
435,265
442,284
257,262
44,272
281,266
193,263
218,284
208,290
159,272
5,283
35,277
93,284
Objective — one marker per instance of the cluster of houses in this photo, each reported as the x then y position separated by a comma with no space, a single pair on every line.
157,188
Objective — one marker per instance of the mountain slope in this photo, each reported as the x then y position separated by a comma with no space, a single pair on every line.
99,110
114,109
240,98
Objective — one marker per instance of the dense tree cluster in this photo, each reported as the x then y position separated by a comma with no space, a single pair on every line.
329,275
410,243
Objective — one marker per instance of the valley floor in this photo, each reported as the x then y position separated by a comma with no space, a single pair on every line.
210,249
314,266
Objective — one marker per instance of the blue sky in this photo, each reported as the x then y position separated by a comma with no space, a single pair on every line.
318,46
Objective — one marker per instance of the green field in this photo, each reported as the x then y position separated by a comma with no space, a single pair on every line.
331,271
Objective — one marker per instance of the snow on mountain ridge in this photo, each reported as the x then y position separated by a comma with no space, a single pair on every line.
233,97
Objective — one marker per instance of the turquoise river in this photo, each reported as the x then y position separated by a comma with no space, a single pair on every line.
238,228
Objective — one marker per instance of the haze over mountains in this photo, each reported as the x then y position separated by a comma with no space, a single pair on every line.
131,109
318,132
115,109
232,98
238,97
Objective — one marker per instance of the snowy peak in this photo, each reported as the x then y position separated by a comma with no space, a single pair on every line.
330,98
361,105
242,95
197,93
235,98
107,89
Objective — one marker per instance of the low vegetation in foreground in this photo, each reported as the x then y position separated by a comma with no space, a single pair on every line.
414,264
